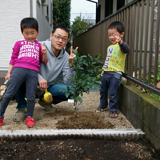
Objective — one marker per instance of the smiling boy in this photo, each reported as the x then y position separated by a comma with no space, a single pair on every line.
24,68
113,68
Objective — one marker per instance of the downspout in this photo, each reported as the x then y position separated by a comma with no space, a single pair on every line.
34,9
31,8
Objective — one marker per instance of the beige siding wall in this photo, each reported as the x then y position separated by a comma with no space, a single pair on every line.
11,13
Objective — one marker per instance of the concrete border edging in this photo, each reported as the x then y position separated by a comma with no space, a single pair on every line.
72,133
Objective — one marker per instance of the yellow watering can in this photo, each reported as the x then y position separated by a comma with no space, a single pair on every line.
47,97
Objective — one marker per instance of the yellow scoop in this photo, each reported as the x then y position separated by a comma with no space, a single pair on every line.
47,97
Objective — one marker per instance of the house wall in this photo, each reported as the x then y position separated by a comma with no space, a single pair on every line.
11,13
102,3
44,20
128,1
114,5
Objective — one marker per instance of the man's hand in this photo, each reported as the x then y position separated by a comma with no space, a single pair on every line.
42,83
72,55
44,49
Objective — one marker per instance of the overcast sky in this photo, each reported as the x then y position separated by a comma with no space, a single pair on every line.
86,8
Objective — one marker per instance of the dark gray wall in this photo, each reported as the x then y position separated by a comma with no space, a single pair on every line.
142,110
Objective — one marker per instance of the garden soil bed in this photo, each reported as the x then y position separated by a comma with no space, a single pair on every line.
77,149
66,117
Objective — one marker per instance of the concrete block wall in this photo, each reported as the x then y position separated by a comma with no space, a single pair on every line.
142,110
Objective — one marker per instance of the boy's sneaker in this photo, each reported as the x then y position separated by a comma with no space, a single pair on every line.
1,121
29,122
113,114
47,106
100,109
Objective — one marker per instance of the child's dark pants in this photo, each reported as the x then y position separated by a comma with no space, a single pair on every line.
19,76
112,82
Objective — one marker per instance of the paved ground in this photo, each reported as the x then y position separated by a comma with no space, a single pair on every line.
66,117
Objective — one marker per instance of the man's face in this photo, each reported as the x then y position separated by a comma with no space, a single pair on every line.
58,39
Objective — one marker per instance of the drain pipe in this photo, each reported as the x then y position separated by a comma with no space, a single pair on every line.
96,7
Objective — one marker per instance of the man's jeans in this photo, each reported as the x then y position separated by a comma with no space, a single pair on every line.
58,96
111,82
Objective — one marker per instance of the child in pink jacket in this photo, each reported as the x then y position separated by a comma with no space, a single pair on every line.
24,68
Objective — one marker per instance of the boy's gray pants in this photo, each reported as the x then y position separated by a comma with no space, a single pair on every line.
19,76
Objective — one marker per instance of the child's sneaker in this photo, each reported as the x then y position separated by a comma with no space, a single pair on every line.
1,121
29,122
113,114
100,109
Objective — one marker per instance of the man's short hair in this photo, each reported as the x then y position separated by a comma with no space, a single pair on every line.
117,25
29,22
61,26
